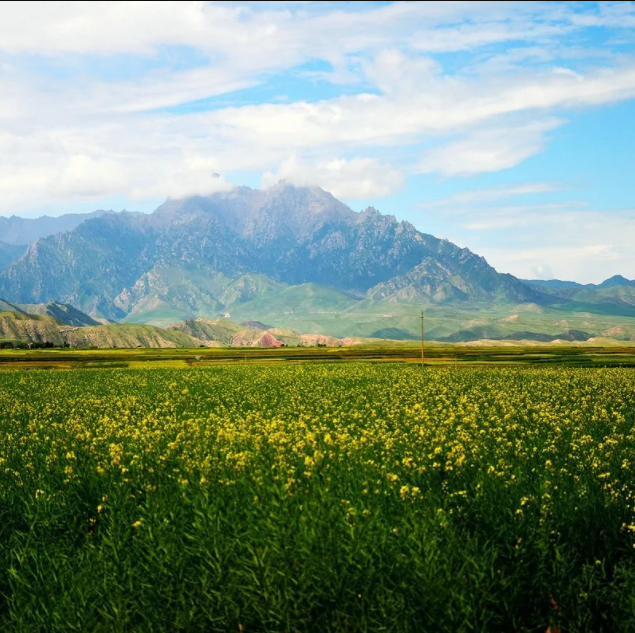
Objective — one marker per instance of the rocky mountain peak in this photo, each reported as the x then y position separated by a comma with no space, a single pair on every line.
122,264
617,280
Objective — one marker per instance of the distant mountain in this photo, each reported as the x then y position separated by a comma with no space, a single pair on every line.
19,327
617,280
615,295
9,253
226,333
298,258
554,284
557,284
297,247
62,312
24,231
84,267
256,324
613,299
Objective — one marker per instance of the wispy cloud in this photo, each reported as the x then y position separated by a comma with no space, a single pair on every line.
480,196
567,239
100,111
486,150
355,178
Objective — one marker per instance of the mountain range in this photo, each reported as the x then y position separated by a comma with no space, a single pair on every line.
10,252
17,231
62,325
295,257
555,285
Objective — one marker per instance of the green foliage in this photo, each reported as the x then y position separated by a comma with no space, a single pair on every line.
317,498
128,335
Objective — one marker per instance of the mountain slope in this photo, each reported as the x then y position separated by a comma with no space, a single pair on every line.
25,231
27,328
613,296
551,284
249,250
9,253
87,267
617,280
170,293
219,330
20,327
107,336
62,312
38,329
460,277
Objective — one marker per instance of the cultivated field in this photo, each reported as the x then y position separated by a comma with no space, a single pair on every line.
436,355
318,497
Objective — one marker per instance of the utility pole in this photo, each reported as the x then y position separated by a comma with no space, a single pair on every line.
422,335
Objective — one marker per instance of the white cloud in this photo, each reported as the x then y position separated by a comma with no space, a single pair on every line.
395,73
80,135
586,261
86,176
488,150
609,15
563,240
53,28
193,176
541,271
355,178
480,196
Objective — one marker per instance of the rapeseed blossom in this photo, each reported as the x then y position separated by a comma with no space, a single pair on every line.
528,459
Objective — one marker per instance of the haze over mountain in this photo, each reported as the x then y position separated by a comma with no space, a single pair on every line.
296,256
232,247
17,231
557,284
505,126
9,253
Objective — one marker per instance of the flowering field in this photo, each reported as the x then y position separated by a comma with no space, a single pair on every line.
355,497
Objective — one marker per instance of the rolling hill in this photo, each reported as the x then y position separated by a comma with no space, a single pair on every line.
19,327
62,312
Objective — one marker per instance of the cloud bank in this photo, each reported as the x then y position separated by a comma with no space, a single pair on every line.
144,100
127,98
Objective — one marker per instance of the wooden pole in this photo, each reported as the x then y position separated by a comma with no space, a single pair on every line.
422,338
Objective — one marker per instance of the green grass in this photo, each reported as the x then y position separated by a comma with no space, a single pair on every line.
366,318
584,355
317,497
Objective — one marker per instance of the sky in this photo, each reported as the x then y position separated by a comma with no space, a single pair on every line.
505,127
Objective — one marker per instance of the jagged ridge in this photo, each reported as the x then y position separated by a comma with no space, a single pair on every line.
203,255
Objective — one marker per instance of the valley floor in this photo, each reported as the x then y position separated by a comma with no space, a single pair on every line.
435,355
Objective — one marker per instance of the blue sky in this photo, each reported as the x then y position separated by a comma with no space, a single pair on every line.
506,127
